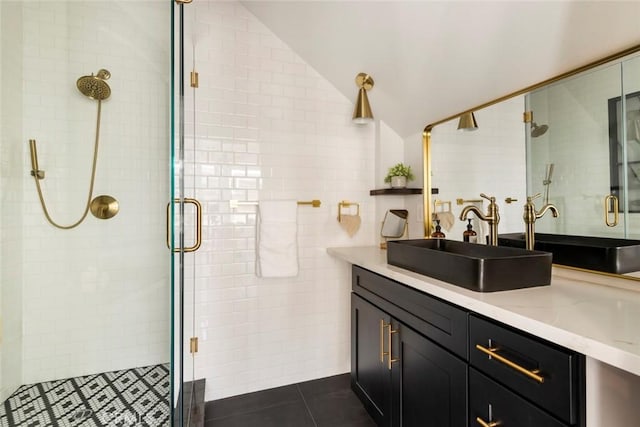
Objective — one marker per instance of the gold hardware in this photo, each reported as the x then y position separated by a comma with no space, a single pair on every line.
611,202
527,116
35,171
104,207
93,87
382,352
510,200
193,345
183,1
362,112
198,241
314,203
390,358
463,201
194,79
493,352
446,205
483,423
492,217
233,204
530,216
346,204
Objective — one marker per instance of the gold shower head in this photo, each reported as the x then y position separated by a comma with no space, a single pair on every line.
95,87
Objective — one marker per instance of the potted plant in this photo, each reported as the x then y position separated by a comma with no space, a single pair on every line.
398,176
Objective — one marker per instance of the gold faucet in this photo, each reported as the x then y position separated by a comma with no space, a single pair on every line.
492,217
530,216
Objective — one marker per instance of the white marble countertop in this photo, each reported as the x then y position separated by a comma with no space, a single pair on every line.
601,322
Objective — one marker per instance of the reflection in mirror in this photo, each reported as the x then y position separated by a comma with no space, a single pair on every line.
582,153
394,225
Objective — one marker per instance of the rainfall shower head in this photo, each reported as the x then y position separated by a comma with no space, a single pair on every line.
95,87
537,131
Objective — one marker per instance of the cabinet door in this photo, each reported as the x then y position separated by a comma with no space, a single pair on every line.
429,383
370,376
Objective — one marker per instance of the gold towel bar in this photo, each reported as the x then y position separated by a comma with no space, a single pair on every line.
446,204
235,203
463,201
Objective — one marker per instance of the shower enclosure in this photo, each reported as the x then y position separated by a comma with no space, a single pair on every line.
91,306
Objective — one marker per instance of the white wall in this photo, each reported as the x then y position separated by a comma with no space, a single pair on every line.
95,298
269,127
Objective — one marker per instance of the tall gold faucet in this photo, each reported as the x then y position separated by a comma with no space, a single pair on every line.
531,215
492,217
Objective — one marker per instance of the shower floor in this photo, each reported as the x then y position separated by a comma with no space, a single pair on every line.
131,397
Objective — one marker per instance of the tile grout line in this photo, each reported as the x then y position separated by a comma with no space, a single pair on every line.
306,406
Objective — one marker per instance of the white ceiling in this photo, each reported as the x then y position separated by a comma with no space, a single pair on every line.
434,59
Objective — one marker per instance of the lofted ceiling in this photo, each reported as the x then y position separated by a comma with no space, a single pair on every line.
434,59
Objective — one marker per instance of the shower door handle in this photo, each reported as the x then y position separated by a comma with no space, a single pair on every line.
611,205
198,241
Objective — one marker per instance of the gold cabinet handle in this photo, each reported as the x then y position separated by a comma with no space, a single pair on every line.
198,242
382,352
493,352
483,423
611,201
390,358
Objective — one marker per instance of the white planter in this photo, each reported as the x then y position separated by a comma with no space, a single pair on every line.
398,181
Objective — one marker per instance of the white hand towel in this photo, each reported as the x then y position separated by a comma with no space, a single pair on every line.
277,239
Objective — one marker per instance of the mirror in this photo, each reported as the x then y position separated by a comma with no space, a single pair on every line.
582,151
394,225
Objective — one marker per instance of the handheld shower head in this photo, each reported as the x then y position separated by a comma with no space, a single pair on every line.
95,87
537,131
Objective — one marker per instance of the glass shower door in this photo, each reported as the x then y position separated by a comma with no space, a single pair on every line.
187,217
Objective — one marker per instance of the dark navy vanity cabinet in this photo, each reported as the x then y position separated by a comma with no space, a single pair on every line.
417,360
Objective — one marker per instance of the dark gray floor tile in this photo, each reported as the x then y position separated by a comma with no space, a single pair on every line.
326,385
252,402
339,408
292,414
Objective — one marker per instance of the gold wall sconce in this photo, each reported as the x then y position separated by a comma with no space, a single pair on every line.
467,122
362,113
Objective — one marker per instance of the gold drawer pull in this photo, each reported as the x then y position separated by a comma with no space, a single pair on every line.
483,423
493,352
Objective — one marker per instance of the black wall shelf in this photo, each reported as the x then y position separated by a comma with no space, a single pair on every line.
395,191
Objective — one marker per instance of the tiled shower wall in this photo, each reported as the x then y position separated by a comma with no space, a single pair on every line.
11,224
94,298
269,127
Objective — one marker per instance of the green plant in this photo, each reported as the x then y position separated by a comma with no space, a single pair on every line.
399,170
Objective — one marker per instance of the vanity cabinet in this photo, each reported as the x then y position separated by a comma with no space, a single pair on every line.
403,377
419,361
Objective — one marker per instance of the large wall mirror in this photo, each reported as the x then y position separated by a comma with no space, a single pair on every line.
579,148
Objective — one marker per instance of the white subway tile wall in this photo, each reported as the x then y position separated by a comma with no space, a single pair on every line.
94,298
267,126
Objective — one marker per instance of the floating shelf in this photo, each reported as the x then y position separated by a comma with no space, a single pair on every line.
395,191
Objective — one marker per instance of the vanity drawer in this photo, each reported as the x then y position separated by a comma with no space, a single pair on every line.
443,323
491,402
542,372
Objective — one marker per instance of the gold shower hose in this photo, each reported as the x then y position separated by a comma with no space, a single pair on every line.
93,177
